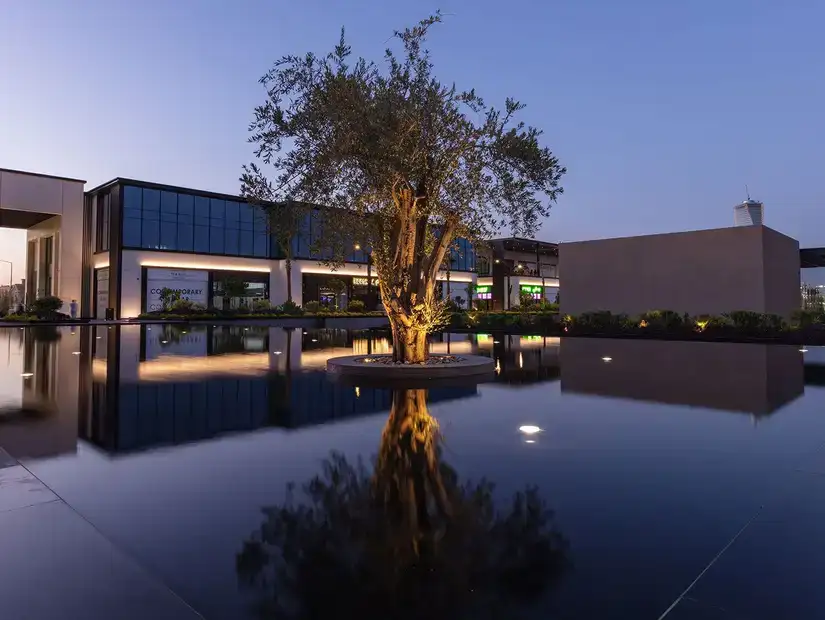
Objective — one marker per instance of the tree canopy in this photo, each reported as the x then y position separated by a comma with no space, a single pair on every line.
407,163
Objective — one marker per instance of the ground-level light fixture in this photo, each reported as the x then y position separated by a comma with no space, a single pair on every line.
75,352
26,375
529,429
607,359
276,352
803,350
529,441
357,246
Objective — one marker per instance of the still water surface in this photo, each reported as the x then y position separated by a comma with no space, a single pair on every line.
651,456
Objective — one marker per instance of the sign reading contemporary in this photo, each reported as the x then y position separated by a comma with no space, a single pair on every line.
190,284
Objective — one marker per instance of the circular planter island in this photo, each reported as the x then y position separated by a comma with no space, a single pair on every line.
436,367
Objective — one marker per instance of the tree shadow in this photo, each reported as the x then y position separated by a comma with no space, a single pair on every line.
409,540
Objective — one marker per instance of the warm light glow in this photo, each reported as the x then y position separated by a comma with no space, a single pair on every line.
498,261
276,352
166,264
529,441
701,325
803,350
496,341
642,323
606,359
520,360
518,266
498,367
357,246
26,375
357,392
314,340
529,429
75,352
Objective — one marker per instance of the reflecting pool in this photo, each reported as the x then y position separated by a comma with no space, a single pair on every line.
589,478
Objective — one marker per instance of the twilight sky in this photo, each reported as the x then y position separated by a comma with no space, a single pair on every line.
661,111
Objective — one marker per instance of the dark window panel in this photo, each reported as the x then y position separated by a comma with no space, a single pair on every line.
186,208
201,239
217,208
168,236
247,246
132,197
131,232
151,215
151,234
231,241
202,211
261,241
246,212
185,237
216,240
151,200
169,202
232,213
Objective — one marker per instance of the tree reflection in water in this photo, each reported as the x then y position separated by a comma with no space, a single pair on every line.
409,540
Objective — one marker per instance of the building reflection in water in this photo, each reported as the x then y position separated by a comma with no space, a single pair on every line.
39,391
168,384
758,379
408,539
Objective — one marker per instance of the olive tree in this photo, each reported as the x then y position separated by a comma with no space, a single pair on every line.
404,165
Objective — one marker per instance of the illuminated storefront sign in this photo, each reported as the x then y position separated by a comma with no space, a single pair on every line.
191,284
363,281
533,291
484,292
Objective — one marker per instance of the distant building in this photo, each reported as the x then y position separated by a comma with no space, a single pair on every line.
749,213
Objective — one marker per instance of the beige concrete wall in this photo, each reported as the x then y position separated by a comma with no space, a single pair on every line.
698,272
33,193
748,378
782,272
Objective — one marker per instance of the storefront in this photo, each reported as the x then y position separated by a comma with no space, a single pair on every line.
335,291
227,290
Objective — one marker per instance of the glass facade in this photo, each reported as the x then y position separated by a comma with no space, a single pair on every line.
462,256
156,219
103,210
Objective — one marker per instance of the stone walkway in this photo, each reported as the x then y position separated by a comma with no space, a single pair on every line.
55,565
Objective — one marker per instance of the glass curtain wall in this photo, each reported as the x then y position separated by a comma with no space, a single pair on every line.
156,219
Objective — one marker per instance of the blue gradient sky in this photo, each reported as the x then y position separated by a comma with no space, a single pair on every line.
661,111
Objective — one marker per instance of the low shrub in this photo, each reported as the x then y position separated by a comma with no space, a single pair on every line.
290,307
356,305
807,318
186,306
16,317
261,306
665,320
755,322
312,306
45,306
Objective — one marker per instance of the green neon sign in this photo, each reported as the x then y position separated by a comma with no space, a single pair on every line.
527,288
483,289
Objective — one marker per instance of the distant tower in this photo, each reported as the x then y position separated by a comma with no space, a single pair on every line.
749,213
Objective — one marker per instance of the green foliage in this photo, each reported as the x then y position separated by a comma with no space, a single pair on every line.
312,306
186,306
43,306
807,318
356,305
755,322
168,297
261,306
291,308
665,320
406,162
21,318
450,305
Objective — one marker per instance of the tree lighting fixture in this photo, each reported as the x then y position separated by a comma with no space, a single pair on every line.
529,429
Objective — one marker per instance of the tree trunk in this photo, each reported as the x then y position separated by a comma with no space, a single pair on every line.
288,279
409,344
